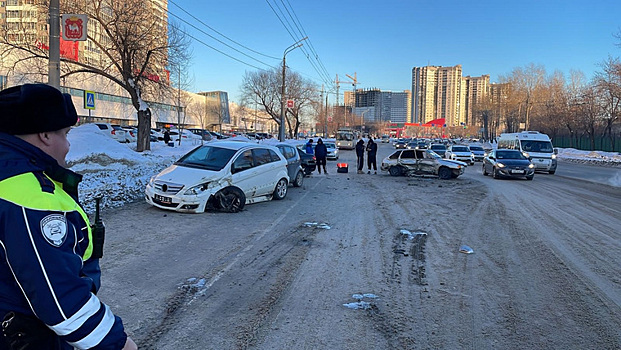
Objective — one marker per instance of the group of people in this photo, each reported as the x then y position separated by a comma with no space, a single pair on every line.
321,152
371,149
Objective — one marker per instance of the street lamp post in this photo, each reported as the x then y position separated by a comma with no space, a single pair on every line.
281,132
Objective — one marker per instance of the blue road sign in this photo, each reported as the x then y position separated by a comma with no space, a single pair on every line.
89,99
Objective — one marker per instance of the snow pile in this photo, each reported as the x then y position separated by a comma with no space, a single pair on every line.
119,174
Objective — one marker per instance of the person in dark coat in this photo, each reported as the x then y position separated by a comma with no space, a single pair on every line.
321,152
166,137
309,146
360,155
371,155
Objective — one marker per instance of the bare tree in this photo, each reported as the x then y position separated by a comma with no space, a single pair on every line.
608,86
132,47
264,89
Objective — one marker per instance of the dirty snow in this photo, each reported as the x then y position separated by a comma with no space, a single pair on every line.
119,173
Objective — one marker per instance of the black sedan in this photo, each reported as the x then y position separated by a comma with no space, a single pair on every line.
309,163
508,163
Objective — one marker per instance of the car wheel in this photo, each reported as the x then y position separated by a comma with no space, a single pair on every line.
281,189
299,179
230,199
530,177
551,172
495,173
395,171
484,170
445,173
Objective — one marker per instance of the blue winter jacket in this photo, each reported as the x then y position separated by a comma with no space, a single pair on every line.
46,269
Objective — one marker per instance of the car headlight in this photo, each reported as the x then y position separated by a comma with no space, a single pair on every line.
531,166
525,154
196,190
554,156
151,181
500,165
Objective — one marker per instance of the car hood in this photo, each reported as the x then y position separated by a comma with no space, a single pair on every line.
452,163
188,176
460,153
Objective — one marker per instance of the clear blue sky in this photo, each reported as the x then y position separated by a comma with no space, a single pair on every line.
381,41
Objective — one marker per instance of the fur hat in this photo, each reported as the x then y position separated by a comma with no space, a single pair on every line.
33,108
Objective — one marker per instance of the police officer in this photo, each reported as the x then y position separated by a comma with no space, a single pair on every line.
48,278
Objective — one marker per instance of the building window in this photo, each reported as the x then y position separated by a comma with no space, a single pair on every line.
3,81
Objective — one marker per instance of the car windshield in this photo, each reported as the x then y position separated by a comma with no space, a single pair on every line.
460,149
433,154
476,148
438,147
207,157
330,145
509,154
537,146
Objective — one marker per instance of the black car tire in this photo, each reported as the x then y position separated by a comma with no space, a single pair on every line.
445,173
495,173
299,179
395,171
280,192
484,170
230,199
551,172
530,177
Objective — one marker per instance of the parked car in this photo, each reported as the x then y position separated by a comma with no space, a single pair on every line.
508,163
131,133
478,152
333,151
116,132
309,162
185,135
204,134
218,135
421,162
439,148
294,163
459,152
225,175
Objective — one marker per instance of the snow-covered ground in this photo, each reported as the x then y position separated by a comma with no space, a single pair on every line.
119,174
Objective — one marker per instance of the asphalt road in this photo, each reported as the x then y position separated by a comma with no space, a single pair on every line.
385,272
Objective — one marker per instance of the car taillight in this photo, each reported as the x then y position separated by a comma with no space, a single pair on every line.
314,158
113,132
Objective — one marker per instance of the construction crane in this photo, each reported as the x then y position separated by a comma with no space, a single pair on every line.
353,82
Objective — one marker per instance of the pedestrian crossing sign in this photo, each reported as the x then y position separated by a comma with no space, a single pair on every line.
89,99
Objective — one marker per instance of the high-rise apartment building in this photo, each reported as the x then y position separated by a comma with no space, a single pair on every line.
381,106
477,89
438,92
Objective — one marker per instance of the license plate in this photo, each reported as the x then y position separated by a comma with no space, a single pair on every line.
165,200
517,171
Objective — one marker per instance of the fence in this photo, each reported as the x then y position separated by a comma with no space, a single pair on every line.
584,143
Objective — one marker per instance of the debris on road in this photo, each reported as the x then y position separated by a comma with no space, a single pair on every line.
465,249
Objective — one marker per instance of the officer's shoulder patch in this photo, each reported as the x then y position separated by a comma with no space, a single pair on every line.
54,229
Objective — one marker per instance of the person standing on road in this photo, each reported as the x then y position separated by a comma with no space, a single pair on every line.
309,146
321,153
166,137
360,155
371,155
48,275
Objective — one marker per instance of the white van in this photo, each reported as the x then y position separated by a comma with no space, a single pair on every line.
532,144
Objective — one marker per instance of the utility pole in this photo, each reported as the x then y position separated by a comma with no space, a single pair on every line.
53,77
353,82
281,133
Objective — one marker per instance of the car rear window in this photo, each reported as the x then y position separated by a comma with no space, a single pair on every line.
460,149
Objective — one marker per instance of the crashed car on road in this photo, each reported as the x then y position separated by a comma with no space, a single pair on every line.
223,175
414,162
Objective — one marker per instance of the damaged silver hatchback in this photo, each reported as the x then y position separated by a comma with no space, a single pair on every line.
421,162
